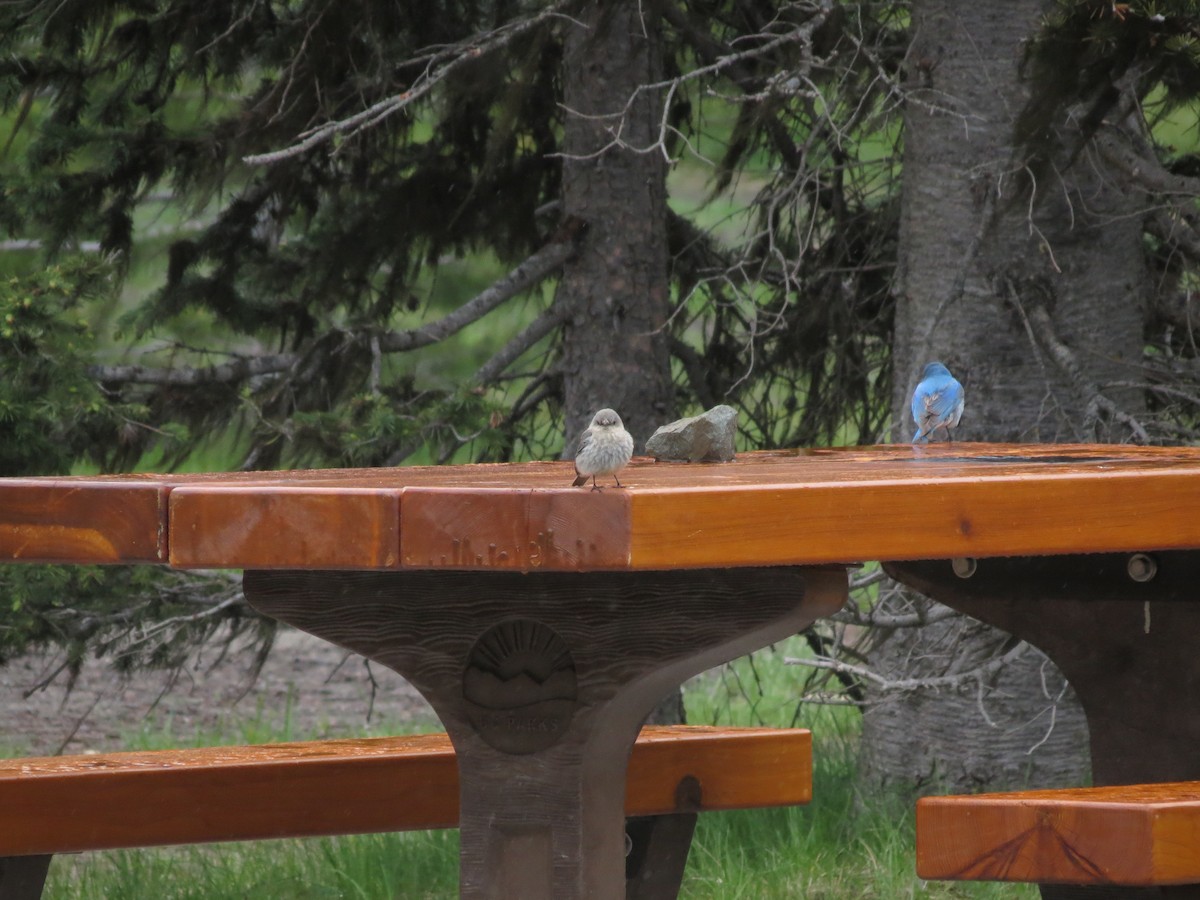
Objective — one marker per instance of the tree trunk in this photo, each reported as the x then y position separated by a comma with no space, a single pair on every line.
615,350
1035,307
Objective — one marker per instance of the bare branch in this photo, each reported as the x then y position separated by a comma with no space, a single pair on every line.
443,63
979,673
1174,228
187,376
1144,168
848,615
727,61
515,348
532,271
1041,328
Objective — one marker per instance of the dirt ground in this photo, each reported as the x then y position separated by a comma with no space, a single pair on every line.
308,684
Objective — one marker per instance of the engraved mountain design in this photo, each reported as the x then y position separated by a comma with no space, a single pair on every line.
518,663
520,686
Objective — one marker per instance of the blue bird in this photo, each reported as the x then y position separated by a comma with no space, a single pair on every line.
937,402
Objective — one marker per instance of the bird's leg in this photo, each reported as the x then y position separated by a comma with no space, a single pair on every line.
595,487
617,480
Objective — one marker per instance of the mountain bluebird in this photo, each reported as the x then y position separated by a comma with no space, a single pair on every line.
937,402
604,449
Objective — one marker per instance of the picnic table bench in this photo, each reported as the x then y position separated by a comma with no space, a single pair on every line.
69,804
544,622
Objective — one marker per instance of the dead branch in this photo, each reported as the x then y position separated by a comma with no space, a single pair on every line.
442,64
543,325
239,369
1143,169
529,273
848,615
1173,227
979,674
719,66
1041,329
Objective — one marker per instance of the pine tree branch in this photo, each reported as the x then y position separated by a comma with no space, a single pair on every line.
240,369
697,372
442,64
721,65
543,325
531,272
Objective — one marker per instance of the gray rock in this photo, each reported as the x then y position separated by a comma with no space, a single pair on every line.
704,438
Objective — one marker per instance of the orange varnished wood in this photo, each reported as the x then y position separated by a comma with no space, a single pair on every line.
46,520
773,767
1146,834
291,526
788,507
561,530
64,804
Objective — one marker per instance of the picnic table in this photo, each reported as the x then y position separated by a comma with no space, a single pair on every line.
544,622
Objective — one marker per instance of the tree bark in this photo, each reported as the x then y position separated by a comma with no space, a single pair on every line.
615,289
1034,306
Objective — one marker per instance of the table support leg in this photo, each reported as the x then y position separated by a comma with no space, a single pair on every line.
542,681
23,877
658,852
1119,627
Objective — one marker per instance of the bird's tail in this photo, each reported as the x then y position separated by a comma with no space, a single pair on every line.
579,481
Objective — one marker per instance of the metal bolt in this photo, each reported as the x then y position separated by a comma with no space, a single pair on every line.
1141,567
964,566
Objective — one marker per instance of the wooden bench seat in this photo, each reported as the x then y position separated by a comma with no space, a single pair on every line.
1136,835
139,799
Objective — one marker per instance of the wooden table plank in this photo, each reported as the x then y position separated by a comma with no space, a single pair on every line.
53,520
290,526
800,507
563,530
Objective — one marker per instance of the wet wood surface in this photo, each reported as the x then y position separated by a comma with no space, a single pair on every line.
789,507
65,804
1127,835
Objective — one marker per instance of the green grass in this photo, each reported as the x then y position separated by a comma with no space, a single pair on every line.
844,846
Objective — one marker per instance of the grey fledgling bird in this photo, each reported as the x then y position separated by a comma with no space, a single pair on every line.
605,447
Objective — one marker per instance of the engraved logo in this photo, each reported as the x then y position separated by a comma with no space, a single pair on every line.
520,686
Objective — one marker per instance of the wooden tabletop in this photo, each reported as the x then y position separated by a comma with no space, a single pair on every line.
800,507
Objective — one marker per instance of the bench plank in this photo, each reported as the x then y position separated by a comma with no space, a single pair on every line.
140,799
1137,835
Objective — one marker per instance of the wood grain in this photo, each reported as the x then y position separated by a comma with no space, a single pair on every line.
1129,835
1125,646
50,520
542,681
800,507
523,530
66,804
286,527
